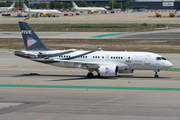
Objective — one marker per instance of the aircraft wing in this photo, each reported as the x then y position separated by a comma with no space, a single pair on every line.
76,62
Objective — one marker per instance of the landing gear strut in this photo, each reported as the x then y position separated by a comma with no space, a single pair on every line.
90,75
156,75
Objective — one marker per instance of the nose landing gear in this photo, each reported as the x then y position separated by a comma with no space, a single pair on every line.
156,75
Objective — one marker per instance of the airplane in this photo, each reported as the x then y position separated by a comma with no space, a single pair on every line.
89,9
105,63
12,7
41,11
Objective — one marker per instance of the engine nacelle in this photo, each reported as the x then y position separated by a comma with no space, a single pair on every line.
44,14
92,11
108,70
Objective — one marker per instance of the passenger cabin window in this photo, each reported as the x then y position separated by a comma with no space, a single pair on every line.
158,58
128,57
102,57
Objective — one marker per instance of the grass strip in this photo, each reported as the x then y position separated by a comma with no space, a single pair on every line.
104,35
90,87
173,69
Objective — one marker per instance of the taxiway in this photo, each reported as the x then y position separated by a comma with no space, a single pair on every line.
27,92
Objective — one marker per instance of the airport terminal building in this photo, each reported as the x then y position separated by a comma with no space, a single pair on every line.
155,4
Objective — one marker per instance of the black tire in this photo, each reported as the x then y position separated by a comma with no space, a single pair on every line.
90,75
99,75
156,76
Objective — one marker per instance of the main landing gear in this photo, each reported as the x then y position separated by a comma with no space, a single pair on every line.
156,75
90,75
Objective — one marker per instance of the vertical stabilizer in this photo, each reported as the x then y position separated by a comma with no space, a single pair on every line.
13,5
74,5
31,40
25,8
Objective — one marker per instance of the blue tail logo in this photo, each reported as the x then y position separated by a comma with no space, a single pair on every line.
30,41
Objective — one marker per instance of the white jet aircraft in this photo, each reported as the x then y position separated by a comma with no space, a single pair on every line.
89,9
105,63
12,7
41,11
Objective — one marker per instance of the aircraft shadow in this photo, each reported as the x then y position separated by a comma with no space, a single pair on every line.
83,77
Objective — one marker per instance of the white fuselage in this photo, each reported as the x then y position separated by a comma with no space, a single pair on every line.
124,60
6,8
43,11
89,9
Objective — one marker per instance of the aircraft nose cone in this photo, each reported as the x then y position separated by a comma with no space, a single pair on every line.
168,64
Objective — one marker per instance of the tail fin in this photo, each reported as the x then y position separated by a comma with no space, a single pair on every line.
31,40
25,8
13,5
74,5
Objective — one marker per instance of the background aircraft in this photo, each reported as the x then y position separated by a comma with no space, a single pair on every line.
41,11
12,7
89,9
105,63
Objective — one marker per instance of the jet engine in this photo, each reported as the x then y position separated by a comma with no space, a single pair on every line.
44,14
92,11
108,70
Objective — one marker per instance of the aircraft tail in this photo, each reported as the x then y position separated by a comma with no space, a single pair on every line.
13,5
74,5
31,40
25,8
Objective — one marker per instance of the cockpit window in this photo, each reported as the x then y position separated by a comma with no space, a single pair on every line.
158,58
163,58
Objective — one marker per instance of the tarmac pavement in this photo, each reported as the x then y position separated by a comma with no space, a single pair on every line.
138,101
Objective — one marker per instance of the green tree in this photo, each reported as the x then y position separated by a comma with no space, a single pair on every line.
119,5
97,4
70,5
78,3
83,4
126,5
90,4
20,5
36,5
2,4
115,5
66,5
58,5
51,5
44,5
103,4
8,3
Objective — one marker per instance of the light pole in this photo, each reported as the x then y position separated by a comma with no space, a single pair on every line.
112,4
29,8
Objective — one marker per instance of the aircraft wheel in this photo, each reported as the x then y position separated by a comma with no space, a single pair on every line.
99,75
156,76
90,75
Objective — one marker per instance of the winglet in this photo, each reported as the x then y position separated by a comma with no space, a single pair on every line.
99,48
